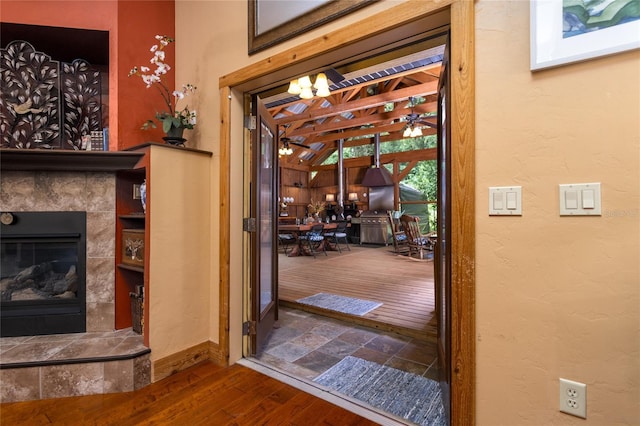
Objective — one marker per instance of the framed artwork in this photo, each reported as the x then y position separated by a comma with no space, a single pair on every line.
566,31
274,21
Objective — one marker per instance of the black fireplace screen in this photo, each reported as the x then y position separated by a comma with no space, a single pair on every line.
42,275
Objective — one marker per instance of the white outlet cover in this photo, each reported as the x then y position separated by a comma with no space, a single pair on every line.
573,398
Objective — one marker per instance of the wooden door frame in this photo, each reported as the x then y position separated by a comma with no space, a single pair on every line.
462,62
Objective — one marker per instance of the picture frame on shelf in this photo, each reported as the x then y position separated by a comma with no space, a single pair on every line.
133,247
565,32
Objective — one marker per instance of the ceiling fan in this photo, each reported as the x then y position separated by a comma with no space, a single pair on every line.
413,120
285,149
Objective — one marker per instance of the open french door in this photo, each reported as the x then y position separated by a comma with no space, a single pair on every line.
264,166
442,259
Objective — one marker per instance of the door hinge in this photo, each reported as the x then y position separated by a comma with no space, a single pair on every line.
250,122
249,328
249,224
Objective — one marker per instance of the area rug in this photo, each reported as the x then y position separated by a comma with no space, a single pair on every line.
334,302
403,394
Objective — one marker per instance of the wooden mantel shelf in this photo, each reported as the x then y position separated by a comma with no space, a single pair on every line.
67,160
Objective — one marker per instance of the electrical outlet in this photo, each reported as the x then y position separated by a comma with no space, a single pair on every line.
573,398
136,192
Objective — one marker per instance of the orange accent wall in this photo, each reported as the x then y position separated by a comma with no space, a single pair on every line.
138,24
132,26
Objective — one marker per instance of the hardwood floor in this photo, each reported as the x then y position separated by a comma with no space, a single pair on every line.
203,394
405,287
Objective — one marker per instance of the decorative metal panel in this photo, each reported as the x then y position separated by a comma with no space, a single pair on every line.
46,103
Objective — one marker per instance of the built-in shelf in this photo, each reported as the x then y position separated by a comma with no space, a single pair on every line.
131,268
139,216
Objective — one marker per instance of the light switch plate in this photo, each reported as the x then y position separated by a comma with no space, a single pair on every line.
505,201
580,199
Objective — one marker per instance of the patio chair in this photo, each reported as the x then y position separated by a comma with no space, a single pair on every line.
286,239
335,236
399,238
418,243
314,239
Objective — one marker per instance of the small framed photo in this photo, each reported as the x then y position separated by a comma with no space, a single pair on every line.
133,247
566,31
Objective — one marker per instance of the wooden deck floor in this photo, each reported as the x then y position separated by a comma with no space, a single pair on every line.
405,287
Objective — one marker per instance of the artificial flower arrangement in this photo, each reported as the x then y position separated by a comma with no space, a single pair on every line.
315,207
174,117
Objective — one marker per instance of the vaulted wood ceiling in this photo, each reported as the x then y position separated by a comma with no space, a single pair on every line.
369,101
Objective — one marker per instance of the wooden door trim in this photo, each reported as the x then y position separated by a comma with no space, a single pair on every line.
462,124
462,61
224,217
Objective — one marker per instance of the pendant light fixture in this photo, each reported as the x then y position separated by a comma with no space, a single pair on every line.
304,88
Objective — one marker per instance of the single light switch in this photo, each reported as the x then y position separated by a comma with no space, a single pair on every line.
505,201
497,201
580,199
571,199
588,199
512,200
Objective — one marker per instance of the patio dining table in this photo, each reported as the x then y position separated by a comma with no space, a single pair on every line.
296,230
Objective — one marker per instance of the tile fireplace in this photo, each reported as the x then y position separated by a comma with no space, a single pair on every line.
64,259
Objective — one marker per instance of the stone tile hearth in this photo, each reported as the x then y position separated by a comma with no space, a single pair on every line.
61,365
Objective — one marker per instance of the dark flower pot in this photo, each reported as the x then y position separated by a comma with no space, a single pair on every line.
174,136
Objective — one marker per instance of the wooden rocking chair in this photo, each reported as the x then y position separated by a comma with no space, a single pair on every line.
418,242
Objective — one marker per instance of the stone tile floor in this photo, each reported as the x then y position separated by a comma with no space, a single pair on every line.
306,345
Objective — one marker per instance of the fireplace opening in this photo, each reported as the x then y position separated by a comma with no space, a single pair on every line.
42,273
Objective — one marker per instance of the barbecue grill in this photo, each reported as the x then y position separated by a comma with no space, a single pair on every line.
374,227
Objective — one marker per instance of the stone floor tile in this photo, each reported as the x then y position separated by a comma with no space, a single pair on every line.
387,344
406,365
371,355
288,351
421,352
339,348
317,361
358,336
310,340
282,335
330,330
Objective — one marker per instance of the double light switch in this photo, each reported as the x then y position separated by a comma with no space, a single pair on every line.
580,199
505,200
576,199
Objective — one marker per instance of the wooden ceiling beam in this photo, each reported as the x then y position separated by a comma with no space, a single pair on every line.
367,161
362,121
366,102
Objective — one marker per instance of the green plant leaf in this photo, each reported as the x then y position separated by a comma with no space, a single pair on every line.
166,124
